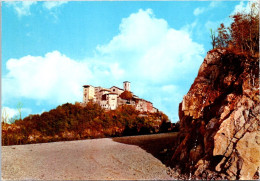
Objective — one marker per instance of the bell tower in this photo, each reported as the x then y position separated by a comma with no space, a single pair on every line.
88,93
126,86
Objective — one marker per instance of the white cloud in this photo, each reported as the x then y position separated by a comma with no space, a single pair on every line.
201,10
54,78
8,114
214,4
213,25
150,50
52,7
116,71
244,7
169,88
191,28
153,56
198,11
216,24
22,8
138,29
53,4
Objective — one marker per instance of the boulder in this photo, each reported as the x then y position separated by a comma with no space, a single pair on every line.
219,119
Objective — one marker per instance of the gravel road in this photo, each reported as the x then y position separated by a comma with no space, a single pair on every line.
96,159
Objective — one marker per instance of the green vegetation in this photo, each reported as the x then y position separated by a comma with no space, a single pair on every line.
73,122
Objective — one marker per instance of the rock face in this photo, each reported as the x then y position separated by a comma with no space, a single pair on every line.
219,119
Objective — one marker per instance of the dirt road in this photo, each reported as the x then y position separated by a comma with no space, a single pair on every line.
128,158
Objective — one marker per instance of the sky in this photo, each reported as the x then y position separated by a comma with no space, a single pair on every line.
51,49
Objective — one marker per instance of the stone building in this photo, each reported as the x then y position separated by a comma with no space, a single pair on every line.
88,93
110,98
126,86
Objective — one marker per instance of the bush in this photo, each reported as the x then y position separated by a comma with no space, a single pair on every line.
73,122
243,33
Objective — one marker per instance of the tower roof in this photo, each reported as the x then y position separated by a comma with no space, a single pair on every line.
86,86
126,82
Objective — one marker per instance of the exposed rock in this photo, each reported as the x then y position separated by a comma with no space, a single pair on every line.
201,167
219,119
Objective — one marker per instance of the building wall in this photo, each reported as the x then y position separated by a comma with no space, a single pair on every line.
155,110
112,101
98,94
121,101
149,106
124,101
126,86
88,94
104,91
109,98
104,104
116,90
141,105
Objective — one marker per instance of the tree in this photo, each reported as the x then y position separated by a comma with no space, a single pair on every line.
5,116
19,108
243,33
126,95
245,30
213,38
223,38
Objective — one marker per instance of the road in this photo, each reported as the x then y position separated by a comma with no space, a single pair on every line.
131,158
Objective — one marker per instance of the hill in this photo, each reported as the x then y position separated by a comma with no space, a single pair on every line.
74,122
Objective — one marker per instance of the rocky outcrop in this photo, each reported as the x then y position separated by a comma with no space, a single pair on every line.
219,119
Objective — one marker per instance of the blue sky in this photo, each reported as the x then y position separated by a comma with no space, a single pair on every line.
51,49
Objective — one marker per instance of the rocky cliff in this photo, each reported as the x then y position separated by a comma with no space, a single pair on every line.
219,119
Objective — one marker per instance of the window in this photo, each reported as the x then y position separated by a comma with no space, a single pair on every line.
114,90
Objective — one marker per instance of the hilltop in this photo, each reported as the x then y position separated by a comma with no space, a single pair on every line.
74,122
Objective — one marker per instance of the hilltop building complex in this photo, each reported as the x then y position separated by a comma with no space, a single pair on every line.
112,97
